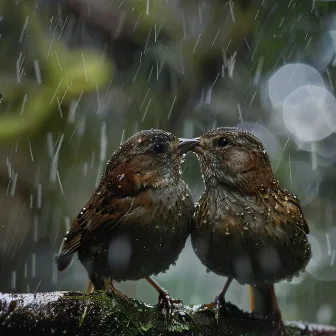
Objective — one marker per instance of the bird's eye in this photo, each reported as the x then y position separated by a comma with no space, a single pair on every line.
222,142
158,148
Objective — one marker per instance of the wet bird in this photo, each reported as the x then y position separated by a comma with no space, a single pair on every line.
247,227
138,219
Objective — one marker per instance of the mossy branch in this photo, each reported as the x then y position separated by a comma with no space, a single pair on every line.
76,313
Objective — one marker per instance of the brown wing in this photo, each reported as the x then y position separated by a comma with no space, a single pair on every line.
293,201
103,211
288,209
109,204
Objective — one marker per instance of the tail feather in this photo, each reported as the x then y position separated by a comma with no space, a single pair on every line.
64,259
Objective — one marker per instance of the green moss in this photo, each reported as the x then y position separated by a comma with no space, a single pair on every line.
112,314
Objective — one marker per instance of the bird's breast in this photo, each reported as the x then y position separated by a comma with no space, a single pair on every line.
243,240
148,239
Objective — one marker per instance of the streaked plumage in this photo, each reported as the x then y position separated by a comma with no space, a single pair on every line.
138,219
258,238
246,226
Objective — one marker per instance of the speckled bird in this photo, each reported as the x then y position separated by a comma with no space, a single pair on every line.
247,227
138,219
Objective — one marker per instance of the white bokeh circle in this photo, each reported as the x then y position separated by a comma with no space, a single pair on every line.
289,78
322,265
310,113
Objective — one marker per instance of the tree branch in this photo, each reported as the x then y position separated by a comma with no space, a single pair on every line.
76,313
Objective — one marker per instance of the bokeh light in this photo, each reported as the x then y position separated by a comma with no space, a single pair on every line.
290,77
309,113
322,264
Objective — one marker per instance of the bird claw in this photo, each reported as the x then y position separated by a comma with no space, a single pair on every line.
167,303
207,306
220,302
110,289
217,305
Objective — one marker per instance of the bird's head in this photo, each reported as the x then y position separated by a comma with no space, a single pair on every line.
150,158
234,158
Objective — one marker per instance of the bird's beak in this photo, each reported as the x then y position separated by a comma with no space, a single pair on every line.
186,145
198,148
194,145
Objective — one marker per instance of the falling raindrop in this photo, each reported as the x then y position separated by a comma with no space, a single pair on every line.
35,225
13,280
37,72
13,184
55,158
33,265
39,196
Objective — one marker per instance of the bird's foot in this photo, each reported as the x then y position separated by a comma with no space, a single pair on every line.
216,305
110,289
168,304
220,302
207,306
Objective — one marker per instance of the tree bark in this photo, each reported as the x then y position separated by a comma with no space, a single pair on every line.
76,313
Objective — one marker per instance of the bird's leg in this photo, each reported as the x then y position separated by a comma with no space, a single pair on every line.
165,301
220,299
102,284
109,287
91,287
96,283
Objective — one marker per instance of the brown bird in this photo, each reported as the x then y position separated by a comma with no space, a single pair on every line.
137,221
247,227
